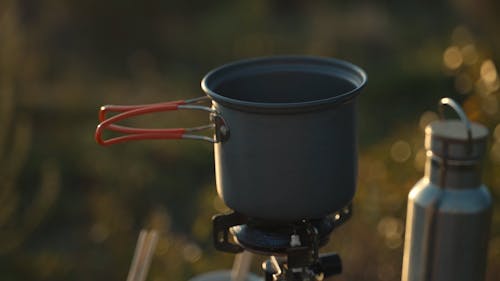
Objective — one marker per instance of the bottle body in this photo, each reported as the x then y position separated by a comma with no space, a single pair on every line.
447,231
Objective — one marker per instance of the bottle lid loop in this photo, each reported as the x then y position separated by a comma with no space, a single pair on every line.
463,117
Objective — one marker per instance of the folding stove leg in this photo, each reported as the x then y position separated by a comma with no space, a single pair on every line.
221,226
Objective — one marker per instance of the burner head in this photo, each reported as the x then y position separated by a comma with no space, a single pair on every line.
275,238
296,243
261,237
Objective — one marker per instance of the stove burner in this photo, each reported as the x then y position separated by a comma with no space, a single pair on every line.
273,238
297,243
259,239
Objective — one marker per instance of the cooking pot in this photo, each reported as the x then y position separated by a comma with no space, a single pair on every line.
284,134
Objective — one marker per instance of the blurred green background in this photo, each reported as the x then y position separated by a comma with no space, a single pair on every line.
72,210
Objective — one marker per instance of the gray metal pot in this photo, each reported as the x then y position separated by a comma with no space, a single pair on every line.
291,153
285,135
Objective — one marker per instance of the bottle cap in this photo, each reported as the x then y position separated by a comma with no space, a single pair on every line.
455,139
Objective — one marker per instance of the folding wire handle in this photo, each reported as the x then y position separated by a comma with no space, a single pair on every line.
461,114
132,133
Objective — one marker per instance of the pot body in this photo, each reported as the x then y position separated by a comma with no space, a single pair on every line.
287,167
292,150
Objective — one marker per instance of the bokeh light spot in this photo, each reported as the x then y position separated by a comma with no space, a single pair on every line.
484,88
489,72
452,57
400,151
390,226
391,229
191,252
426,118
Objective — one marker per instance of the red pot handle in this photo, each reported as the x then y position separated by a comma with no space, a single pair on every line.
132,133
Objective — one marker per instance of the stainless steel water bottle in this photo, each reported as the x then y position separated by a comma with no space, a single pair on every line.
449,209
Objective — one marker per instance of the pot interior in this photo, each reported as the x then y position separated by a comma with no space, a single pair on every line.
284,82
283,87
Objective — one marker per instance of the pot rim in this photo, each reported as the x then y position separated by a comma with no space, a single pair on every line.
312,64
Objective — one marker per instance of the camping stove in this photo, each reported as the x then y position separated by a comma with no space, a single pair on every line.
293,247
